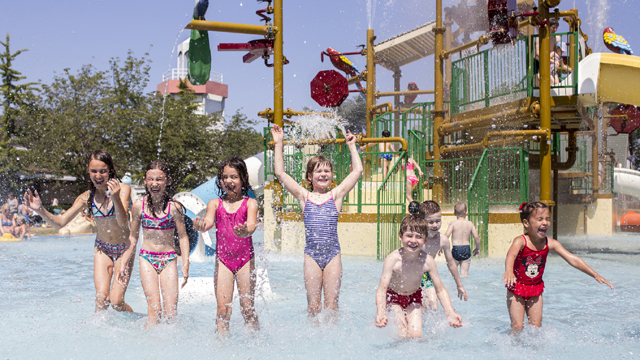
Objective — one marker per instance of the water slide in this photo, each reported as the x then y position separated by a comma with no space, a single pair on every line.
605,77
196,200
626,181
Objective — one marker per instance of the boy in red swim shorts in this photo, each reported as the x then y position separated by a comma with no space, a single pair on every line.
399,291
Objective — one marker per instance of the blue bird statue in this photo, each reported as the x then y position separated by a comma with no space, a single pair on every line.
200,8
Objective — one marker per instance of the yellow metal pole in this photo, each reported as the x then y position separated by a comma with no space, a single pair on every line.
229,27
448,43
371,80
397,74
278,93
438,113
545,109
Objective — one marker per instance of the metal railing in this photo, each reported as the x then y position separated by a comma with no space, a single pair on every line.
391,207
181,73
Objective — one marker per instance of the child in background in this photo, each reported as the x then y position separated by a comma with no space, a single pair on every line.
320,209
412,179
107,203
525,265
399,291
235,215
435,242
158,271
459,230
386,150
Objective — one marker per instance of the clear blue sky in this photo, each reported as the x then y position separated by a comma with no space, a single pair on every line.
71,33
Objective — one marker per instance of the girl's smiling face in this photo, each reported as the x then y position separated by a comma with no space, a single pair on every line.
98,173
538,223
231,182
156,182
321,177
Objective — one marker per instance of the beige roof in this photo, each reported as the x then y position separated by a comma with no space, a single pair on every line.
407,47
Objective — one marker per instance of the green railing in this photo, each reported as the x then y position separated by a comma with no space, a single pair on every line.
506,73
391,208
417,118
454,181
500,178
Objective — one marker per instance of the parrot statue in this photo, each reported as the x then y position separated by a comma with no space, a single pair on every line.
615,42
408,99
343,64
200,8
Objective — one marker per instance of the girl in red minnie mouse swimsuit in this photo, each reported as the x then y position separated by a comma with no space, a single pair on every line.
525,264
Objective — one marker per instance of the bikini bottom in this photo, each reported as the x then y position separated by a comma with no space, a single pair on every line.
113,251
159,260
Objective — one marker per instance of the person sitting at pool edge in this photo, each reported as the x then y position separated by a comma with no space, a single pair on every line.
400,292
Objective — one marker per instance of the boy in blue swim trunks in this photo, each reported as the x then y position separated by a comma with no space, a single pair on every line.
459,230
386,150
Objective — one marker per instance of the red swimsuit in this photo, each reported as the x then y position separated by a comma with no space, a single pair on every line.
528,268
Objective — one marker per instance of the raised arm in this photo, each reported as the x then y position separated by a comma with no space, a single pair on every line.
443,296
32,200
576,262
381,293
120,194
247,229
131,244
509,278
287,181
184,241
356,170
453,268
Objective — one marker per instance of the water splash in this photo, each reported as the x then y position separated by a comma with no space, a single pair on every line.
371,12
317,125
166,88
597,21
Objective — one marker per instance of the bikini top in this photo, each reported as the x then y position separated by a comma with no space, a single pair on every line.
165,223
97,214
7,223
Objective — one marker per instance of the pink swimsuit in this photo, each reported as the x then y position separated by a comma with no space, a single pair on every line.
234,252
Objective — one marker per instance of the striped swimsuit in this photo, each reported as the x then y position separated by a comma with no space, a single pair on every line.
321,231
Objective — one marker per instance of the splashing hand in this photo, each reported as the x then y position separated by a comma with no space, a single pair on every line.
602,280
122,274
185,271
32,200
462,293
278,134
202,224
509,278
241,230
454,320
381,320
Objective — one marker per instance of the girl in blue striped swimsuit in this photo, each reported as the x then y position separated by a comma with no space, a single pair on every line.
320,209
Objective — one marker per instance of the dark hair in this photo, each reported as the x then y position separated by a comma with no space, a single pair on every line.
168,192
526,209
313,163
429,207
553,21
414,208
105,157
386,133
414,222
240,166
460,209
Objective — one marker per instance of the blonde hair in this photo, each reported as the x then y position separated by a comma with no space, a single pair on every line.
460,209
5,206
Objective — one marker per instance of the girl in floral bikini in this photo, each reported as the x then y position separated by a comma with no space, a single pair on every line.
159,216
108,203
525,265
234,214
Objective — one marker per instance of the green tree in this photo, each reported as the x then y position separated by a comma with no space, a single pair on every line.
13,95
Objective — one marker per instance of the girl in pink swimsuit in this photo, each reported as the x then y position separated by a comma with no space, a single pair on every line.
235,215
525,265
412,179
158,215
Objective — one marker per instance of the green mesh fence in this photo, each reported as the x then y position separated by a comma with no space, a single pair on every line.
391,208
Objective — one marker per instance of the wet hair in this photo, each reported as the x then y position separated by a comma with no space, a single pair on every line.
527,208
313,164
168,192
105,157
240,166
386,133
460,209
414,222
429,207
414,208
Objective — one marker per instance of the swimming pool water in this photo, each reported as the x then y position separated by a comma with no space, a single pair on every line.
47,312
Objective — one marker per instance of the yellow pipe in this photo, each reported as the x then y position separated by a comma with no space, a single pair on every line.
481,145
278,57
371,80
218,26
438,112
375,108
406,92
482,40
360,77
595,183
359,140
545,109
268,113
481,121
